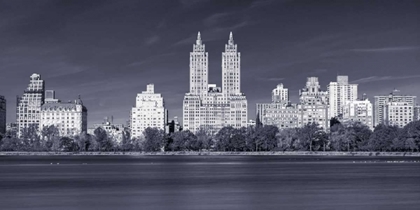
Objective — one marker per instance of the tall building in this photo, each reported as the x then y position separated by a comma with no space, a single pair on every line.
50,97
2,115
358,111
149,112
394,109
280,94
279,112
339,93
313,104
207,106
70,118
29,105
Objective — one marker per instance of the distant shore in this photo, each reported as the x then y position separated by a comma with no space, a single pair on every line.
298,153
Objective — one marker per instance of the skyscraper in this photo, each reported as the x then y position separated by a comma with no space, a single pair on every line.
314,104
280,94
29,105
358,111
231,68
279,112
339,93
149,112
394,109
2,115
207,106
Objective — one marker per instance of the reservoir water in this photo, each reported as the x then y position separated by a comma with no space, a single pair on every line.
209,182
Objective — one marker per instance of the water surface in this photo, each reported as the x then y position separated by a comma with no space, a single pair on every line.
209,182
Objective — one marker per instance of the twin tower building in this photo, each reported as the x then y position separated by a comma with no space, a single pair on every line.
206,106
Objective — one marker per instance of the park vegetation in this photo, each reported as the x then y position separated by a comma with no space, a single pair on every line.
349,137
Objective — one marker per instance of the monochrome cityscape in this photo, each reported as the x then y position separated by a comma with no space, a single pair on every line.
209,108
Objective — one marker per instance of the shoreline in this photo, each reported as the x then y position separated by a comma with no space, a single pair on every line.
206,153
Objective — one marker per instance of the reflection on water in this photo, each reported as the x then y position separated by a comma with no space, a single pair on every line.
209,182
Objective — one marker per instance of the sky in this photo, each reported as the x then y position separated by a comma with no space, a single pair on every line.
108,51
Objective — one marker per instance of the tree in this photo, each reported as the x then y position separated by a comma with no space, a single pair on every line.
11,144
183,140
104,143
68,144
223,139
51,136
205,139
258,122
408,138
30,138
154,139
286,138
267,137
382,137
306,135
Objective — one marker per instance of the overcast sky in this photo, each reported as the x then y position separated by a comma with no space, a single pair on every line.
108,51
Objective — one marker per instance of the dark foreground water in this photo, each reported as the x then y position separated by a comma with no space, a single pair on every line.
209,182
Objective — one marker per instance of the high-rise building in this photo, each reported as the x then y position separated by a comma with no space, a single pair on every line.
339,93
280,94
50,97
313,104
70,118
394,109
279,112
207,106
358,111
29,105
149,112
2,115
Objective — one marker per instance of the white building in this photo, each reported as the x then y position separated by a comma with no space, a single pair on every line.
339,93
313,104
394,109
149,112
70,118
280,94
207,106
358,111
398,113
29,105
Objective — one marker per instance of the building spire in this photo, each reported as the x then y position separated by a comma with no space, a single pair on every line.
231,38
198,42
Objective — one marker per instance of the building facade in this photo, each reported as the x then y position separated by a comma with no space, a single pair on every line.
149,112
2,115
28,109
279,114
394,109
313,105
339,93
358,111
70,118
280,94
207,106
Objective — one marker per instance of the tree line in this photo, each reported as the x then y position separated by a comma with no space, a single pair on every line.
349,136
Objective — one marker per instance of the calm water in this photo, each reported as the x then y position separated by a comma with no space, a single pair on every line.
208,182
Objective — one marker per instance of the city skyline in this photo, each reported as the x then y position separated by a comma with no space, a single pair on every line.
109,63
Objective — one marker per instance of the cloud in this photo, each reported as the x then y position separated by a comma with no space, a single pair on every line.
151,40
271,79
387,49
216,18
383,78
150,59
